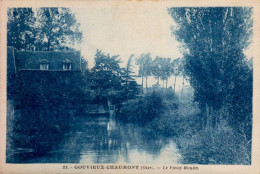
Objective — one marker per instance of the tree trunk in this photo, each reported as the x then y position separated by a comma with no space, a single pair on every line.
142,81
182,86
182,81
163,83
207,117
166,83
48,44
174,83
146,82
210,115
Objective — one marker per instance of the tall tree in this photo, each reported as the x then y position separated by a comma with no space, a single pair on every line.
157,69
59,28
175,70
105,77
166,69
161,69
140,63
213,42
20,28
181,72
131,88
145,66
129,68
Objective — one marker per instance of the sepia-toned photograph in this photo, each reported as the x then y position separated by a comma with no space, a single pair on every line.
129,85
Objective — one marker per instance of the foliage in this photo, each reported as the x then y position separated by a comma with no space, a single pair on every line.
42,29
173,122
129,66
126,73
130,86
221,145
213,42
176,69
162,69
165,64
145,66
21,32
105,77
143,109
157,69
43,110
58,27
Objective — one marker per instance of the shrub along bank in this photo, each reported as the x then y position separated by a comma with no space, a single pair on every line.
161,111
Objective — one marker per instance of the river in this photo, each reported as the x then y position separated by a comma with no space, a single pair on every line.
102,139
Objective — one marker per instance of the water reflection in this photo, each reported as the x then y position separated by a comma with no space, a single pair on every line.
104,140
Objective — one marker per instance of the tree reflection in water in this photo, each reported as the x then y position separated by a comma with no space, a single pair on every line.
105,140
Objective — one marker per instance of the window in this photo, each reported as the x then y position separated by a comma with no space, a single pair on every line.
67,66
44,66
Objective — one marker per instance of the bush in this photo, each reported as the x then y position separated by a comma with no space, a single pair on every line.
172,123
143,109
221,145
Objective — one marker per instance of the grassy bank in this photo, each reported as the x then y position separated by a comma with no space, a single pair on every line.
178,117
219,145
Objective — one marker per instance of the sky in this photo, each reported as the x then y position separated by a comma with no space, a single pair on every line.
127,30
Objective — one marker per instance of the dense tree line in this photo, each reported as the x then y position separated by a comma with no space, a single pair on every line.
213,41
42,29
160,68
116,84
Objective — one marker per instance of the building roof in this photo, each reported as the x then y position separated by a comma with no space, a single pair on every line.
31,60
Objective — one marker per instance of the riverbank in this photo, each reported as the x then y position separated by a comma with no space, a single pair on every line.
181,120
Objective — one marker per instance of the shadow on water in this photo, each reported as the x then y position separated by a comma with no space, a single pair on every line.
102,139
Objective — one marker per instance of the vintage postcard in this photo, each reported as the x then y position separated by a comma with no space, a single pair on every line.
130,87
